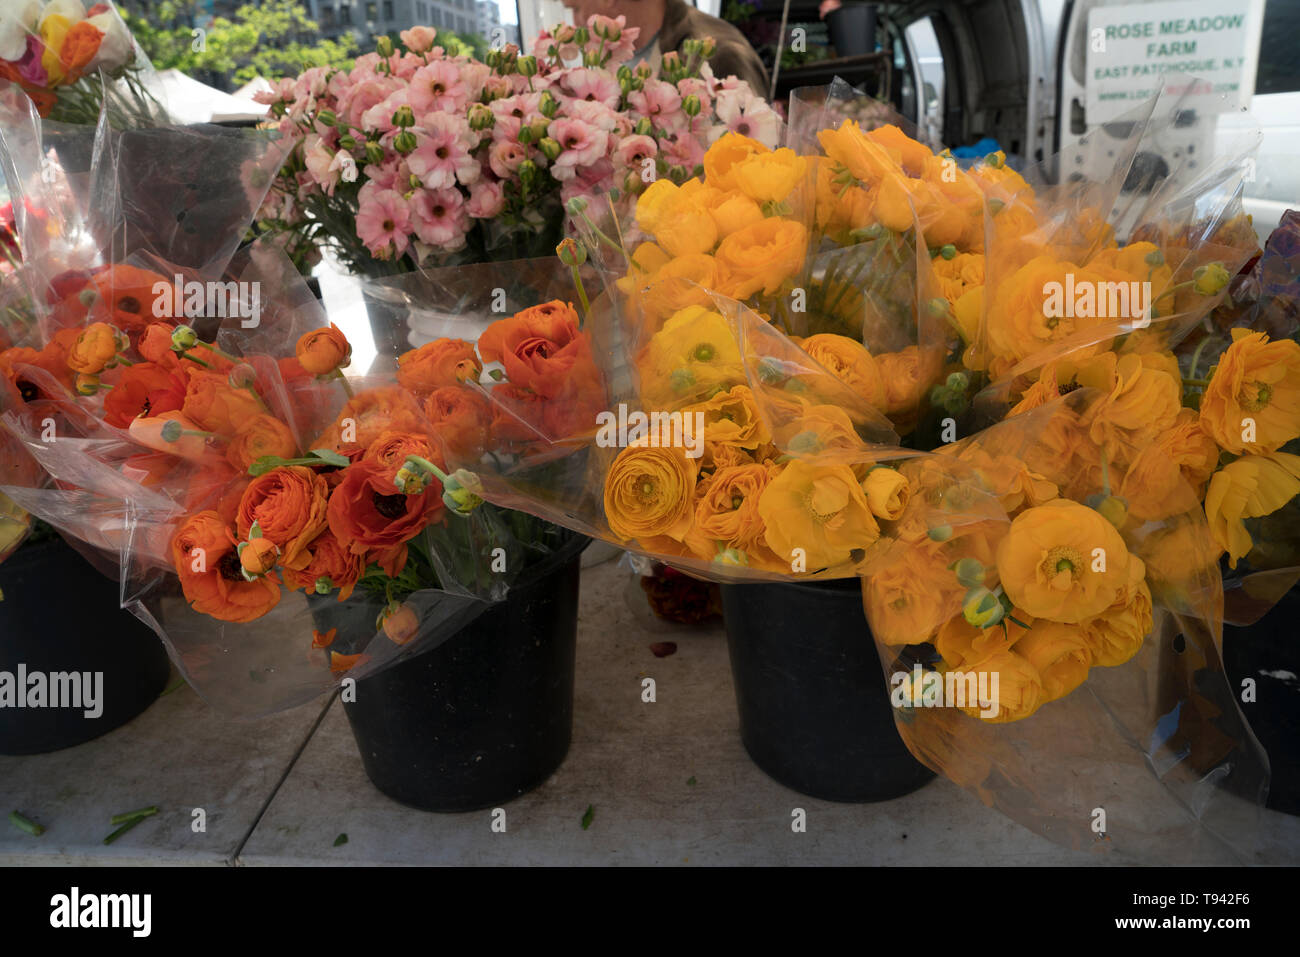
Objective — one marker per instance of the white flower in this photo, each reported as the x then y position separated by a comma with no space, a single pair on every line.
740,111
16,21
115,50
72,9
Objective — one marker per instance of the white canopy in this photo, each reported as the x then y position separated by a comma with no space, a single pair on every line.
189,101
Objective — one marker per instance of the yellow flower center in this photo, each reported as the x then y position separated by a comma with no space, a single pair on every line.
737,500
1061,567
647,489
825,500
1255,396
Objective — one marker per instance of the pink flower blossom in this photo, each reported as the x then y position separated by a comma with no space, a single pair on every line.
379,118
437,86
442,156
659,101
740,111
418,39
505,156
384,223
511,111
282,91
486,200
684,151
591,85
364,96
634,150
346,166
581,142
439,217
29,67
593,113
318,160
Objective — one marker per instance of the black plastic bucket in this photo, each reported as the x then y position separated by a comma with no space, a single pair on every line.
1269,653
488,714
852,29
61,617
814,708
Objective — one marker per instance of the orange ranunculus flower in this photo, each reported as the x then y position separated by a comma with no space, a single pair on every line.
817,513
726,514
129,298
148,430
79,48
96,346
204,556
1063,561
887,492
368,415
391,449
437,365
961,643
1143,404
732,418
683,281
1060,653
332,565
259,436
1250,487
542,349
391,559
723,156
155,344
258,557
760,257
288,504
322,351
366,512
1019,687
1116,635
690,358
677,217
1252,403
811,430
460,418
54,29
145,388
650,493
769,177
850,362
957,276
340,664
215,405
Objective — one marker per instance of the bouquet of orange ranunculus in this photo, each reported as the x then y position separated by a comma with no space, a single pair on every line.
195,427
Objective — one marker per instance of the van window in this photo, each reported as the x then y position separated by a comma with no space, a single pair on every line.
1279,59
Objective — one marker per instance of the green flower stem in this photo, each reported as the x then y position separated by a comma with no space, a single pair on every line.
1201,382
119,819
1196,357
186,355
343,381
582,295
26,824
215,351
122,830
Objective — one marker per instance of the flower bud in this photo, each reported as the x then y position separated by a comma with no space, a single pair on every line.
326,118
1209,280
401,623
548,105
460,492
404,117
257,557
982,608
384,46
581,35
405,142
970,572
576,205
708,47
527,171
183,338
481,117
644,71
374,153
571,252
87,384
550,148
348,142
242,376
691,105
527,66
948,251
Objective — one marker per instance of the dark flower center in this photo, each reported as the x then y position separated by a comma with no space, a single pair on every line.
229,567
389,506
129,304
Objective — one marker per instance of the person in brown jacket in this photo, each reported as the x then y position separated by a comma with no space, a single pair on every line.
666,24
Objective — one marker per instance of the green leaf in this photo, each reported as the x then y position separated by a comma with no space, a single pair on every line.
587,816
340,840
332,457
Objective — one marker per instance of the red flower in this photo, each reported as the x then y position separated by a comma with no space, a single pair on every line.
367,512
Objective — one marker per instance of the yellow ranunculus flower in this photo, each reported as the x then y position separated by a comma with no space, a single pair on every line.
1116,635
909,594
820,511
895,203
682,281
769,177
1059,653
1019,686
1252,403
760,257
848,147
887,493
726,514
850,362
1143,404
731,212
691,357
54,29
960,643
1250,487
1063,561
650,492
810,430
722,157
1019,324
732,418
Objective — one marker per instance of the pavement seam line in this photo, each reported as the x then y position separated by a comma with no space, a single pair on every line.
293,762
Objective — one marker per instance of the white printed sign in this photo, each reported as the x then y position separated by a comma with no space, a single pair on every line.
1206,50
